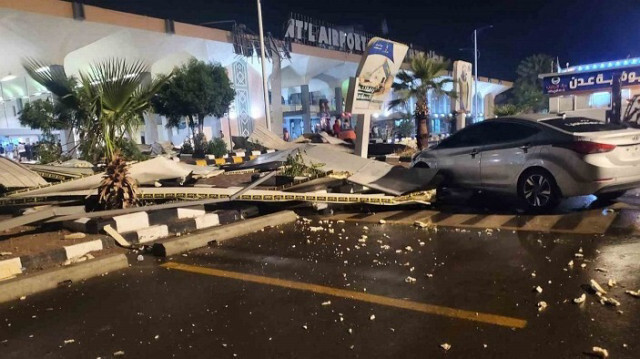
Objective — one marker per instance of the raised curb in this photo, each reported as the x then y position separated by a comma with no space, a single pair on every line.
59,255
202,239
49,279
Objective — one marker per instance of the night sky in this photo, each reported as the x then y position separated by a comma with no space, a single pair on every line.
576,31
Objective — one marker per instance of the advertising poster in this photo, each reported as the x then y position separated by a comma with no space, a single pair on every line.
379,65
463,85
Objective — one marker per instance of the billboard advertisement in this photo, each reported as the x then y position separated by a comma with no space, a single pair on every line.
594,80
463,85
379,65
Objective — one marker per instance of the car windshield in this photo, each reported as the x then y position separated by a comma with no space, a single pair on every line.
581,124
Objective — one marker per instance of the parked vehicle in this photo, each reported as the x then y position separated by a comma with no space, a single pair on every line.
540,159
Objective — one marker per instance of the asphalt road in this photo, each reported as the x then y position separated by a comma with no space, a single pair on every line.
303,292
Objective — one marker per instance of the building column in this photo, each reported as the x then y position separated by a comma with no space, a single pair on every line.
338,99
306,108
489,105
276,95
151,128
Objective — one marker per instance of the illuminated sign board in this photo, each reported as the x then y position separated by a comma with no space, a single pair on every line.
571,82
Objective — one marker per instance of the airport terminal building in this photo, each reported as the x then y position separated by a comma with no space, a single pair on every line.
308,68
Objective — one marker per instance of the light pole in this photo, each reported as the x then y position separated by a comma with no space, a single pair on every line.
475,65
265,86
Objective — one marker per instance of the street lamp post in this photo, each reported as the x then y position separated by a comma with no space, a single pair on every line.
265,86
475,65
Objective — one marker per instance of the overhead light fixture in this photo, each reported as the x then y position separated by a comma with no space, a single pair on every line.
9,77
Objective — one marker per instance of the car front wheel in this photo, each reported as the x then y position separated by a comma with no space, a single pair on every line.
538,190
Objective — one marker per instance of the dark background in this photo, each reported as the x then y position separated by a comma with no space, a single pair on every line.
575,31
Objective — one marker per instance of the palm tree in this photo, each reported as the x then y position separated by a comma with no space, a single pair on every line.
425,75
105,105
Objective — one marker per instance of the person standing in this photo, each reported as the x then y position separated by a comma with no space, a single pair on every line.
336,128
28,151
285,135
21,152
59,148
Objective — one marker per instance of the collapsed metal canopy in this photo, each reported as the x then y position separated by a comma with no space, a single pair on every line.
395,180
15,175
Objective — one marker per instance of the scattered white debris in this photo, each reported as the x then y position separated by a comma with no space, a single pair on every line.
4,254
326,303
420,224
372,317
412,269
77,235
156,337
633,293
600,352
538,289
580,299
410,280
542,305
595,286
119,353
571,263
305,327
140,258
429,275
385,247
69,341
445,346
533,274
612,283
350,331
421,243
408,249
484,346
580,250
316,229
382,221
340,221
583,265
23,297
579,255
609,301
398,250
601,270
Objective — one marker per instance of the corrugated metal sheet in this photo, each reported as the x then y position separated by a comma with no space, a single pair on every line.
15,175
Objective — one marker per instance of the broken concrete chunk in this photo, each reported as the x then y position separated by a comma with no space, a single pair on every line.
410,279
578,255
445,346
580,299
612,283
595,286
542,305
600,352
633,293
609,301
4,254
420,224
382,221
78,235
538,289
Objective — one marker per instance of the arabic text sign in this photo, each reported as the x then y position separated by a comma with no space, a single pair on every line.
590,80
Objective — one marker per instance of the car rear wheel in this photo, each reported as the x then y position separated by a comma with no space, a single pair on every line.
538,190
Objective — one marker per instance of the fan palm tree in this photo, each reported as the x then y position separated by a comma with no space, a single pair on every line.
104,104
425,75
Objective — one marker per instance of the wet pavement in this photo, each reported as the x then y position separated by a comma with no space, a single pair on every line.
285,292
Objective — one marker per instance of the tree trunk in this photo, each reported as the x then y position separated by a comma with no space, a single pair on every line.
201,123
422,118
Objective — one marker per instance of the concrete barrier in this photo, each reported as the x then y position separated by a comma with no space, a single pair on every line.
49,279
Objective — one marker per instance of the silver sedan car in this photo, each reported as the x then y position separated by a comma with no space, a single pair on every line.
540,159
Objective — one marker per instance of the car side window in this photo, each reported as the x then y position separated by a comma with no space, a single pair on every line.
502,132
468,137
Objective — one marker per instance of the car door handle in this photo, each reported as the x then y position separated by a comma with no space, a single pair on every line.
525,147
473,153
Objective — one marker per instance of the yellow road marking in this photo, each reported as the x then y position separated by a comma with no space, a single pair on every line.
349,294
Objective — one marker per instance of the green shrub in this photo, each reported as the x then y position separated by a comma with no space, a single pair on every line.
187,148
217,147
